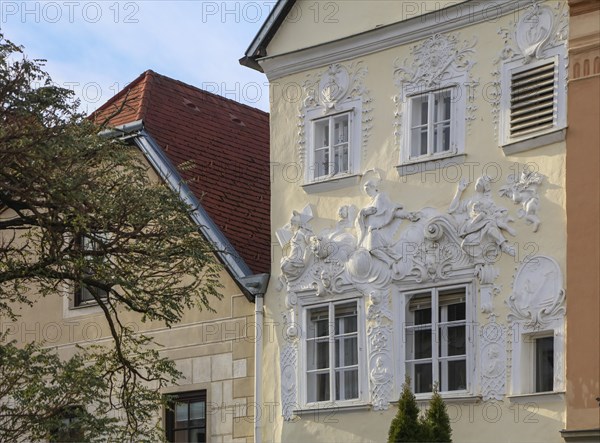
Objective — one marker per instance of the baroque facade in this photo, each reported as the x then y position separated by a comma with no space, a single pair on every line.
418,205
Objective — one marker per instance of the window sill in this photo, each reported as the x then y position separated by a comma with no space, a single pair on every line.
332,183
342,407
555,136
537,397
430,164
449,398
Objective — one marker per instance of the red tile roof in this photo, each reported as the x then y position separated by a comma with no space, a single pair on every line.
219,146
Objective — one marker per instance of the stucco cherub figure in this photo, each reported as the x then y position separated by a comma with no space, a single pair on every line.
523,190
377,223
485,222
294,263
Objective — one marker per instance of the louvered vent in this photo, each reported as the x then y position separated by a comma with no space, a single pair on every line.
532,100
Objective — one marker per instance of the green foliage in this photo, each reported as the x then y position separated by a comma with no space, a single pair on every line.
407,426
437,419
60,181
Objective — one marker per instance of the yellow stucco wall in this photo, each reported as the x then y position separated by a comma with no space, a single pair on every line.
517,420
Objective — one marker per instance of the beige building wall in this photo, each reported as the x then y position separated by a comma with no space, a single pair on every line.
214,351
583,230
523,418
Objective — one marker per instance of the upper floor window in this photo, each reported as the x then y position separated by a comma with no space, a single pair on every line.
544,364
332,145
436,339
332,353
430,123
186,417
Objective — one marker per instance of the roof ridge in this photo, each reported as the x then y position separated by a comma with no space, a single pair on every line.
203,91
145,93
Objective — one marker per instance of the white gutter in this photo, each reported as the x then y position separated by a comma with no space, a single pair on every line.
258,345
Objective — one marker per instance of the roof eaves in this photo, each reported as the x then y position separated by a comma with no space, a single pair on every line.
252,285
258,47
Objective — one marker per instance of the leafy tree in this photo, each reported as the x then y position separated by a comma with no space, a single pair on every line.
406,425
61,183
437,420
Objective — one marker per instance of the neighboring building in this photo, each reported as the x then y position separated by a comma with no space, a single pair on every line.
583,226
458,110
213,152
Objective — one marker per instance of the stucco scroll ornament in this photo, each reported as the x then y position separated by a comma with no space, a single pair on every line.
538,297
288,361
379,318
522,189
436,60
439,254
482,223
326,90
493,360
295,239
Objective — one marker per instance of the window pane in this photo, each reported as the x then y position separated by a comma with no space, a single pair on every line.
346,384
420,110
345,318
455,338
322,162
418,142
443,102
441,138
456,312
341,158
544,364
457,375
197,411
341,129
423,377
322,133
346,351
419,119
422,344
423,316
318,322
318,387
181,436
318,354
181,412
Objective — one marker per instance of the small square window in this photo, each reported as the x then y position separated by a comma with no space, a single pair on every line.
186,417
544,364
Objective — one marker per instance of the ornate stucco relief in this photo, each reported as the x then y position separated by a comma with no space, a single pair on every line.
539,28
439,60
326,91
522,190
493,360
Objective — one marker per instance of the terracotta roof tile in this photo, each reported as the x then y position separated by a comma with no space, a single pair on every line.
220,147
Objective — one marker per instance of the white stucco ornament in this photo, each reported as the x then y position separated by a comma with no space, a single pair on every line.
522,190
493,360
538,297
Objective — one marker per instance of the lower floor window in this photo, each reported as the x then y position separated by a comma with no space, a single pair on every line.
186,417
332,361
436,339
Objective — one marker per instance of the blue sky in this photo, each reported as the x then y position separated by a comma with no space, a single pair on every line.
97,47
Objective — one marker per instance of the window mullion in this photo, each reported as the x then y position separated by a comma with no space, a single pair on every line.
435,336
331,349
430,122
331,146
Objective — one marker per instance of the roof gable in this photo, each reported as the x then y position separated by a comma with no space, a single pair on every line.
219,147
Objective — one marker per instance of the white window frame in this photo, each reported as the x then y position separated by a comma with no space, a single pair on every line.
363,386
542,137
354,110
401,302
523,357
460,92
